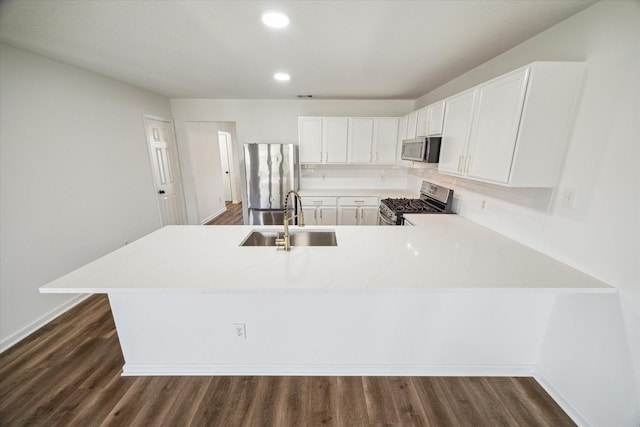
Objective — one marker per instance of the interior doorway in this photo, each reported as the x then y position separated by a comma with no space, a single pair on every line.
226,166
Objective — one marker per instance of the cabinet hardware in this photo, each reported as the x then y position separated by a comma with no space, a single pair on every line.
376,157
320,214
467,163
460,163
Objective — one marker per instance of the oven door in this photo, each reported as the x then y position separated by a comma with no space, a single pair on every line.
384,220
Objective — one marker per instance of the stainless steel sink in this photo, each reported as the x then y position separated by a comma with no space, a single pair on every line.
298,238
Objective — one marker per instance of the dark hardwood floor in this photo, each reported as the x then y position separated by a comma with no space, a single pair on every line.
233,215
68,374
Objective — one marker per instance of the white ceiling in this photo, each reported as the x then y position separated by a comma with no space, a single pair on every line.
332,49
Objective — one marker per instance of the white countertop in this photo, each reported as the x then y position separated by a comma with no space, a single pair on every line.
446,253
336,192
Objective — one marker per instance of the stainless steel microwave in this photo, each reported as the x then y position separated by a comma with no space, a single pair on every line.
424,149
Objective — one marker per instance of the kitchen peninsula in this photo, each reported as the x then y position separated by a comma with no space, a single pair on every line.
448,297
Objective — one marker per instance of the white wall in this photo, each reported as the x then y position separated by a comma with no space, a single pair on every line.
601,234
264,121
75,179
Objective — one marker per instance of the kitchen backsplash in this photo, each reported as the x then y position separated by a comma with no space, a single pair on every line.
354,176
518,213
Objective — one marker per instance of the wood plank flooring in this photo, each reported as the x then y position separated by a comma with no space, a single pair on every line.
68,374
233,215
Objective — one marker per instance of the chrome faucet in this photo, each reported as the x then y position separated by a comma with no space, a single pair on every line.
286,240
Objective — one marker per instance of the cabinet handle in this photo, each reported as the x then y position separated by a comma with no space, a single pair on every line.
315,213
376,157
459,163
467,163
370,157
320,214
359,201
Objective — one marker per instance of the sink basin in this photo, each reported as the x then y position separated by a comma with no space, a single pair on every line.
298,238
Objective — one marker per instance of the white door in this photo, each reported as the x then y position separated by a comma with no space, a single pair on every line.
361,140
494,134
335,137
310,129
369,215
224,139
348,215
458,115
327,215
386,140
166,171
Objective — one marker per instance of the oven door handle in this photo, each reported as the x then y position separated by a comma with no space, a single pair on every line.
382,218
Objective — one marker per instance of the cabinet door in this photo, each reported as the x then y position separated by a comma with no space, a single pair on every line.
310,134
402,135
348,215
327,215
386,140
310,215
361,140
369,215
422,126
458,114
412,122
334,138
495,129
436,116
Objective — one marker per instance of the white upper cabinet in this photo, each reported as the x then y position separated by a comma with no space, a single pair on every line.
310,134
334,139
386,140
361,140
412,122
373,140
323,139
455,133
495,129
429,120
512,130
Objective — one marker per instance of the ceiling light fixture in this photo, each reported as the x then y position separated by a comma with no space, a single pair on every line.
282,77
275,19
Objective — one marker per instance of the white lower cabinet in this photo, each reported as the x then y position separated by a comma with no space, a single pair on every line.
319,210
358,210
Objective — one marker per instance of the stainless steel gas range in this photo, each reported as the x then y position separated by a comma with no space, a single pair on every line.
434,199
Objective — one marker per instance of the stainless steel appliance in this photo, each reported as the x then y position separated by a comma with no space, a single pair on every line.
271,171
434,199
424,149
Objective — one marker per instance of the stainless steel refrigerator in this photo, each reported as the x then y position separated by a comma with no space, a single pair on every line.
271,171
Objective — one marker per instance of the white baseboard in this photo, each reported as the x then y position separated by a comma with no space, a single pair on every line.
131,369
235,202
212,216
560,398
18,336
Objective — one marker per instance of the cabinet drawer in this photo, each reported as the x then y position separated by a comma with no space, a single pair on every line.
318,201
358,201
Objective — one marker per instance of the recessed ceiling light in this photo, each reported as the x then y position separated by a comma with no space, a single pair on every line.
282,77
275,19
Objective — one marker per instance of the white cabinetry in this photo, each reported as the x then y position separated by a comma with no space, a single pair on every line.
323,139
512,130
319,210
361,140
429,119
412,122
402,135
455,132
373,140
358,210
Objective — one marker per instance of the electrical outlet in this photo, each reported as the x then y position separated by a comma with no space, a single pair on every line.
240,331
569,198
